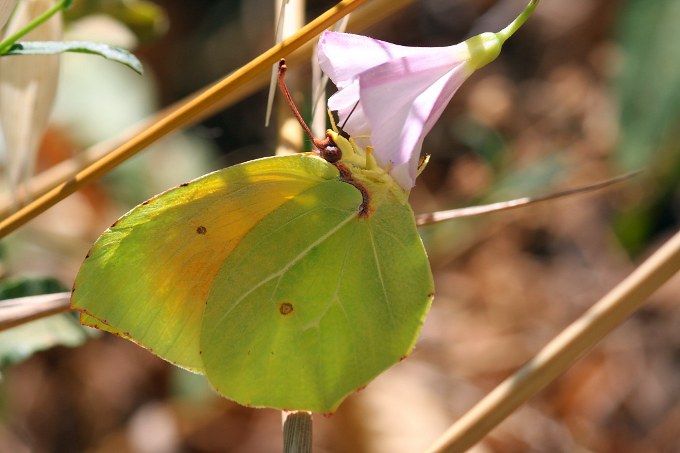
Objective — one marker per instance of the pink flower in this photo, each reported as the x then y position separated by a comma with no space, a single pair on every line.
395,94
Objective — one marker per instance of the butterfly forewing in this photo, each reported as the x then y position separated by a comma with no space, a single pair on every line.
316,301
147,277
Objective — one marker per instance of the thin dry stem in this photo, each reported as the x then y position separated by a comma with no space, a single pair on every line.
472,211
14,312
556,357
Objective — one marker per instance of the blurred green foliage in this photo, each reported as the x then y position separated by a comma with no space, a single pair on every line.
648,95
146,19
30,287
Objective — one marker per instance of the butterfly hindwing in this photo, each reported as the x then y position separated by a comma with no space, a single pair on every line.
316,301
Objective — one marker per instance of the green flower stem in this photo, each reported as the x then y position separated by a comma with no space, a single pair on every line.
9,42
518,22
485,48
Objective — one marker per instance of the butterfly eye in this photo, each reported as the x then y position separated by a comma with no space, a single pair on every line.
328,149
331,153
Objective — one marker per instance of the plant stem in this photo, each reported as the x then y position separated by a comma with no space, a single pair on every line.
289,139
14,312
472,211
297,432
518,22
6,44
558,355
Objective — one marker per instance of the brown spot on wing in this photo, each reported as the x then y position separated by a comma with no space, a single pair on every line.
201,230
285,308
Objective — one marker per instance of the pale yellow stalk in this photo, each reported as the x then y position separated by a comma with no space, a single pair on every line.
289,135
28,86
558,355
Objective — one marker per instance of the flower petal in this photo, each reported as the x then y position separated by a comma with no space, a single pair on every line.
343,56
402,99
398,103
392,93
346,103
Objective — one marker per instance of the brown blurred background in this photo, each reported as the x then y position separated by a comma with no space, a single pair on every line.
587,90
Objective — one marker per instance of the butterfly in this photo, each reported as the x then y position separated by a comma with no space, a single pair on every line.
288,281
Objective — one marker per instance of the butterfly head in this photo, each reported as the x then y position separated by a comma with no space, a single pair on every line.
328,149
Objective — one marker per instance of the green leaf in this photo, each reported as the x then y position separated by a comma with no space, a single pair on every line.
56,47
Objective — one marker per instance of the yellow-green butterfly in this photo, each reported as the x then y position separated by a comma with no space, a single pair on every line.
290,282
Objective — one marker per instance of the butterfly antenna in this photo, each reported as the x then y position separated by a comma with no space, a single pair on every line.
327,149
286,94
342,126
